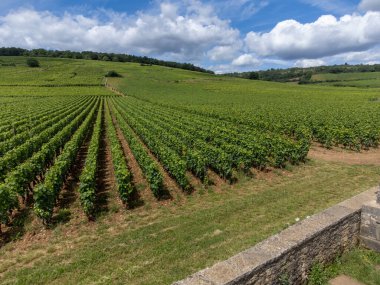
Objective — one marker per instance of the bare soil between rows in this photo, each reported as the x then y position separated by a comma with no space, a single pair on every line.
365,157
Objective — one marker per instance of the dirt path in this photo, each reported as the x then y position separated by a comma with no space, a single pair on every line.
344,280
370,157
114,90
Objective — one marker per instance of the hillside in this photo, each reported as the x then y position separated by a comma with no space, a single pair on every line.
151,176
354,79
335,75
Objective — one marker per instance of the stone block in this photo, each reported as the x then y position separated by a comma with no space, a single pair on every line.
370,225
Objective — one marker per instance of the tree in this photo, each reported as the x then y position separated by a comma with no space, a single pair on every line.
253,75
32,62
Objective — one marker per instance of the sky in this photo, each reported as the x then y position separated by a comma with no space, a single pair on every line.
221,35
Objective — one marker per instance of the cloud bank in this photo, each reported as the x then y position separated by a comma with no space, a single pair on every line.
194,31
325,37
188,35
370,5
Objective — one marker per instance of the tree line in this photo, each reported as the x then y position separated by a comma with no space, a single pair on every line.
90,55
303,75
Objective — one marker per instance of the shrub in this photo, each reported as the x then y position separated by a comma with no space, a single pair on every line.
113,73
32,62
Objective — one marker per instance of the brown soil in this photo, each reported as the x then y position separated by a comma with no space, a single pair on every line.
74,217
195,182
216,181
344,280
370,157
139,181
68,196
105,175
113,89
32,230
69,191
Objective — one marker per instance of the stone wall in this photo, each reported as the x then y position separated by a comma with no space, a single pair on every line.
286,258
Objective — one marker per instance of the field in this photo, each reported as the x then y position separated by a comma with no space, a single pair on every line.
146,178
355,79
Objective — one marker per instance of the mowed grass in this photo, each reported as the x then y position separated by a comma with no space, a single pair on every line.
161,243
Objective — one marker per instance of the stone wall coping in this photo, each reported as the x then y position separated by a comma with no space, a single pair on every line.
271,249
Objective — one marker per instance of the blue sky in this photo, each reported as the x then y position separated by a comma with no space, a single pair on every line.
224,35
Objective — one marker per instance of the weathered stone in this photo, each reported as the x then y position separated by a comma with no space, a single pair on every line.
370,225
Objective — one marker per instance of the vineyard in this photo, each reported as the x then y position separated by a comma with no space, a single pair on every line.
180,132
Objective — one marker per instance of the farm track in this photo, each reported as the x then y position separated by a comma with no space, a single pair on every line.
114,90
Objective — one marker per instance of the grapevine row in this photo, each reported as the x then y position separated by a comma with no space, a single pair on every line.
22,152
195,160
46,194
262,145
215,158
122,173
17,182
148,166
16,120
87,187
41,124
170,160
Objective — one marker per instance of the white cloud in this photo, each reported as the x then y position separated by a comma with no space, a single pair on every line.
223,68
369,5
226,52
186,35
246,60
365,57
309,63
325,37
